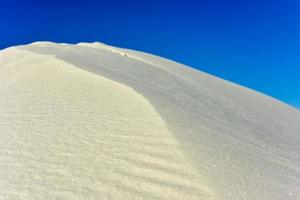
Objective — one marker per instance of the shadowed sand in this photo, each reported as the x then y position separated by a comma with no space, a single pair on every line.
90,121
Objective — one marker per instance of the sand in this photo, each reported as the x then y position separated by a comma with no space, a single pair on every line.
91,121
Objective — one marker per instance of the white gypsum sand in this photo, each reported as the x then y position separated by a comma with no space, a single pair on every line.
91,121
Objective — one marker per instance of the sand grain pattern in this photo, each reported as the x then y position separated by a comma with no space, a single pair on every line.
90,121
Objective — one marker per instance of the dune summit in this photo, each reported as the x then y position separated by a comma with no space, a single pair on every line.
91,121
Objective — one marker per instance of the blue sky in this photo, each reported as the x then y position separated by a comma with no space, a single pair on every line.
253,43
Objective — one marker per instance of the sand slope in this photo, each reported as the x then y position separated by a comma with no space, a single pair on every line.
90,121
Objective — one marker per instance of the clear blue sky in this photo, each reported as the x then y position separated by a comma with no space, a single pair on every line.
255,43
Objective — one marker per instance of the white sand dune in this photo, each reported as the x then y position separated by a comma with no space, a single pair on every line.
90,121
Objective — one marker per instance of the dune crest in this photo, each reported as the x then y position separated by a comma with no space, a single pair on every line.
90,121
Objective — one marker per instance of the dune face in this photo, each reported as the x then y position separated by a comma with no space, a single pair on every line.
90,121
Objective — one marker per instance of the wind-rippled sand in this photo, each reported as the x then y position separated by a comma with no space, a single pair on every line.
90,121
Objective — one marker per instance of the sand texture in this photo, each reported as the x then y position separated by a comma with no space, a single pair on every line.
95,122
